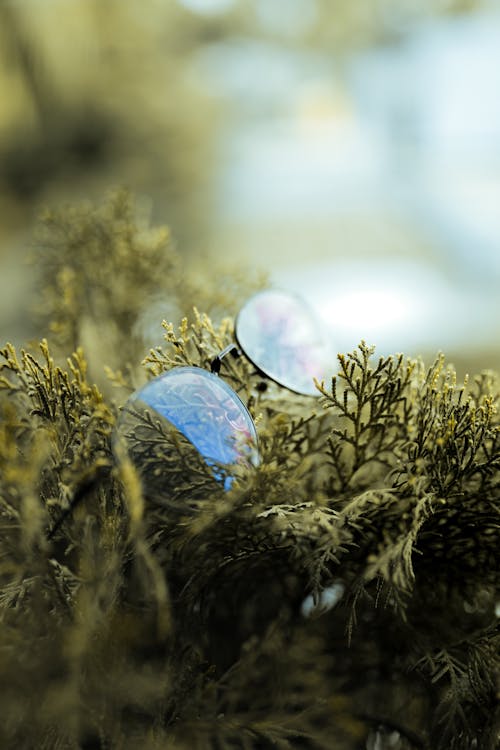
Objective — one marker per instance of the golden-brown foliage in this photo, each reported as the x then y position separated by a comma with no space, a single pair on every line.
142,605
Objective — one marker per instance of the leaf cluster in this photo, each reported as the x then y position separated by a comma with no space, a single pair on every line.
144,604
108,278
394,491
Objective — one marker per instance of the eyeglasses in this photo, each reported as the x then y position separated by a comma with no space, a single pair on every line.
281,337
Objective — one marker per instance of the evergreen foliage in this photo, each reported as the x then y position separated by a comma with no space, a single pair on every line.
142,606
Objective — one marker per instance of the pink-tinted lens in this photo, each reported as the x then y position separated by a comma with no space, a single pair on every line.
283,338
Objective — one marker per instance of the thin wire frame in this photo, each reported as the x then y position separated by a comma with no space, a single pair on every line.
280,335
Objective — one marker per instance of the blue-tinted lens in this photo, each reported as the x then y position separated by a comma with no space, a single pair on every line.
282,337
206,411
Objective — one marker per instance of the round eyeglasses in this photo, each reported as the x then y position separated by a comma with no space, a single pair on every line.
282,338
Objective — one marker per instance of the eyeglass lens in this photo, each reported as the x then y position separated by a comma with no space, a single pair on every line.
282,337
206,411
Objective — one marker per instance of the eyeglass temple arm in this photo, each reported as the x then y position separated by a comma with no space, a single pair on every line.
231,349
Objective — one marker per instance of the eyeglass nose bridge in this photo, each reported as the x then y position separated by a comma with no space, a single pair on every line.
216,363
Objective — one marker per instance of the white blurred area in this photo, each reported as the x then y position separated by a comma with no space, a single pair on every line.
349,149
367,182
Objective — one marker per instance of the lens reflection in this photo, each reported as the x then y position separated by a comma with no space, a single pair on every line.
206,411
283,338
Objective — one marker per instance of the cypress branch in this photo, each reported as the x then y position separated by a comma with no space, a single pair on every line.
142,605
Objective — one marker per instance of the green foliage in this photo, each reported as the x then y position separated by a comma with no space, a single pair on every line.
142,606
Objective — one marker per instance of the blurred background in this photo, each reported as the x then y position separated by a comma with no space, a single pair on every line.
350,148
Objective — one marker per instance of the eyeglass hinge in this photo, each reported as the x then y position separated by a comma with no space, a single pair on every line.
231,349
